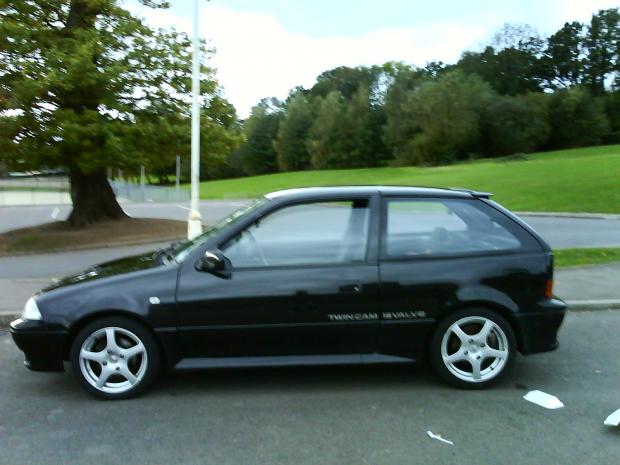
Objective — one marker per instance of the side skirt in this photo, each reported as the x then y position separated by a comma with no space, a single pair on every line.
286,360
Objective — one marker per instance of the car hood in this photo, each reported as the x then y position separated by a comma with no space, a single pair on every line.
112,268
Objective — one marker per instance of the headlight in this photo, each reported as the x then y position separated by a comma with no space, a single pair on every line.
31,311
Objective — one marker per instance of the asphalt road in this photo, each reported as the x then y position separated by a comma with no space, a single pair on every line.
343,415
24,216
563,233
64,263
560,232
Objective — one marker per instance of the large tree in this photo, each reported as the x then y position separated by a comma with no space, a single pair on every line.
577,119
515,124
290,143
564,56
324,137
585,54
447,116
347,81
400,126
87,86
603,44
346,133
510,71
258,154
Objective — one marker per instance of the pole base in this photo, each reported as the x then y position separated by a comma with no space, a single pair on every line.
194,224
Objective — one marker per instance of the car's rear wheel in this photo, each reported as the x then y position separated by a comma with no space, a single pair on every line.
473,348
114,358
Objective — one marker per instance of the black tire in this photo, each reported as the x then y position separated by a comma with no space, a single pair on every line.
441,367
151,356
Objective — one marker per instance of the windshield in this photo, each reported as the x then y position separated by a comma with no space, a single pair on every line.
180,251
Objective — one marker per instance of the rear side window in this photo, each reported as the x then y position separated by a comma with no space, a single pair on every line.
435,227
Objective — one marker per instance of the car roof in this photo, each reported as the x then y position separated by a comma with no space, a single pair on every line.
384,190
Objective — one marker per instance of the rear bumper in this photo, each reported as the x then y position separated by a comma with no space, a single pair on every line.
43,349
538,329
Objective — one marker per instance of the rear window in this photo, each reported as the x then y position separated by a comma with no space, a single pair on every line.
425,227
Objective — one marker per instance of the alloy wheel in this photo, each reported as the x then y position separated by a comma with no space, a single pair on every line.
113,360
475,349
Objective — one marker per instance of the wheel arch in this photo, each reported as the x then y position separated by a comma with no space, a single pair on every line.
79,324
501,310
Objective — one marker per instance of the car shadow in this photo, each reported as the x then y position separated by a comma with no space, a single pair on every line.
297,379
336,379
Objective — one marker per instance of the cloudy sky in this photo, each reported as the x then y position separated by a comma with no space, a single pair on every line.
266,47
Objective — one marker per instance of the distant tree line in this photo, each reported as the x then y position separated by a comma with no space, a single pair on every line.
87,86
522,93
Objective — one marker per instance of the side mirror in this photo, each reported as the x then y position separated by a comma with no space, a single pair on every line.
214,262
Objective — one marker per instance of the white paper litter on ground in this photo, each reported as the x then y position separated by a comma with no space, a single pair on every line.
438,437
613,419
543,399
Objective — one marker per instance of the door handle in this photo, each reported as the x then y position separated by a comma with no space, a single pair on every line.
351,288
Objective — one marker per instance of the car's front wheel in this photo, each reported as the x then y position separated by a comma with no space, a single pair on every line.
114,357
473,348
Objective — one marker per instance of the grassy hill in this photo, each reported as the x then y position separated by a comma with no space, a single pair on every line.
576,180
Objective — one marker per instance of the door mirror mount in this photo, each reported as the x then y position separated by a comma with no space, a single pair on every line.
214,262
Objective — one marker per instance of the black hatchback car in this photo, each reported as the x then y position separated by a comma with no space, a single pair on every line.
337,275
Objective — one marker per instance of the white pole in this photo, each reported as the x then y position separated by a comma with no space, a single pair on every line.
142,181
194,220
177,182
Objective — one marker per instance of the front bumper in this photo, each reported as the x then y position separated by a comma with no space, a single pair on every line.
538,329
43,348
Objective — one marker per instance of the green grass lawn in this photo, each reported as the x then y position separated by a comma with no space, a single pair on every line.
576,180
576,257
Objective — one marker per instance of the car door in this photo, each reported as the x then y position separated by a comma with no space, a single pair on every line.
303,281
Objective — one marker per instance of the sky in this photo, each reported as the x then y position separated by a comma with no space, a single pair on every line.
265,48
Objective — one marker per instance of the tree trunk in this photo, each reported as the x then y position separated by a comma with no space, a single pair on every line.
93,198
91,194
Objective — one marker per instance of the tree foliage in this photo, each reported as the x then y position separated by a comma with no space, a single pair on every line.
515,124
400,126
290,143
258,154
602,43
510,71
509,97
87,86
577,118
344,131
563,57
447,115
324,140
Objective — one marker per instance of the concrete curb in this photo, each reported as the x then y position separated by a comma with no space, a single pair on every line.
587,305
573,305
587,216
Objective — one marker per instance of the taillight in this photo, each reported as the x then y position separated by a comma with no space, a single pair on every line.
549,289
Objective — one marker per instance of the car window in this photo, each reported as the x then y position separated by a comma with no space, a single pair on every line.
419,227
310,233
181,251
